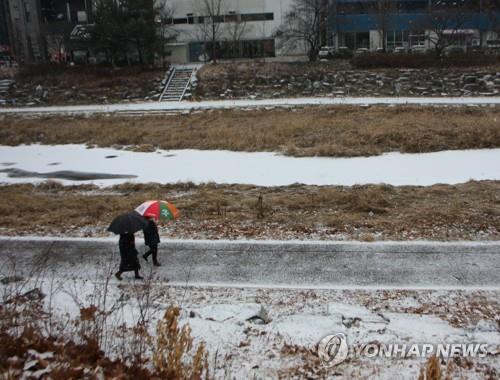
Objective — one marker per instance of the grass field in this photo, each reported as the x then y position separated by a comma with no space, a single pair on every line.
468,211
311,131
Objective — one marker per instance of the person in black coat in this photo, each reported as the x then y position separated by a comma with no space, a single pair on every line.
128,256
151,239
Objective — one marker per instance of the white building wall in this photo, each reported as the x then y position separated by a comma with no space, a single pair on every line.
254,29
260,29
375,40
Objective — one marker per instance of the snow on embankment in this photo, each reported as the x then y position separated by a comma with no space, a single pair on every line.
36,163
149,107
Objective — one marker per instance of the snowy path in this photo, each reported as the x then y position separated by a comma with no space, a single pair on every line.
259,168
235,104
283,264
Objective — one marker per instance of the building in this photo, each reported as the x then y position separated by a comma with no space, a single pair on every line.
40,30
4,31
406,24
59,18
244,29
24,31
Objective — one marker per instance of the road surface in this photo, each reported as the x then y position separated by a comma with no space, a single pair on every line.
279,264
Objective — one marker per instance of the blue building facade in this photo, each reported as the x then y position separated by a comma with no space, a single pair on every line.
389,24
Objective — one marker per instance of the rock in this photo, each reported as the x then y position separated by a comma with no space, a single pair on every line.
304,329
34,295
470,87
486,326
234,313
357,316
11,279
469,79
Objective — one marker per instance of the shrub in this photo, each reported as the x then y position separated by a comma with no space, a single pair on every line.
417,61
173,345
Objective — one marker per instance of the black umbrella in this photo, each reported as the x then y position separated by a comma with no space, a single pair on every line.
130,222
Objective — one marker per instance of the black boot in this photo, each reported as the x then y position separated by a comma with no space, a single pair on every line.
137,275
118,275
154,252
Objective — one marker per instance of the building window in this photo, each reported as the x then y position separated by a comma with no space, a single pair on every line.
180,20
233,49
257,17
417,38
356,40
27,12
397,38
231,17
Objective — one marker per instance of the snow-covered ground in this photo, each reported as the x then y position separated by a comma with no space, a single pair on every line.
265,332
273,333
234,104
262,169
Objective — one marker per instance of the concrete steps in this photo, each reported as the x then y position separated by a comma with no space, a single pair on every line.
177,84
5,85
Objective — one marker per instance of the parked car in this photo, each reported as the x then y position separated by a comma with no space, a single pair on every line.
4,59
326,52
400,50
418,49
361,51
453,49
492,47
343,52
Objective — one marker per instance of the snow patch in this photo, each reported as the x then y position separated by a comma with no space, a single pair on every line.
260,169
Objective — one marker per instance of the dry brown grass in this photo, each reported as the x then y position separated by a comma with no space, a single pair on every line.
321,131
431,370
259,71
442,212
173,344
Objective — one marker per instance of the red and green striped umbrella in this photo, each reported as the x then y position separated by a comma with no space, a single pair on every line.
158,210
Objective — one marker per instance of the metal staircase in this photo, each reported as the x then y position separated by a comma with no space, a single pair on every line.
4,89
177,84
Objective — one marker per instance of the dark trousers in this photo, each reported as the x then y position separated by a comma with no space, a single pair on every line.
153,251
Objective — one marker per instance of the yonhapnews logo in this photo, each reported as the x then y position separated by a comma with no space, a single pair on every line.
334,350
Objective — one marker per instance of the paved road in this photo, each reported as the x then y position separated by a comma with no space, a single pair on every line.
151,107
281,264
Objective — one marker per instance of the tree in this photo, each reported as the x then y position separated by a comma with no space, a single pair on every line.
444,22
385,10
141,27
165,33
108,34
124,27
209,26
305,23
236,29
492,10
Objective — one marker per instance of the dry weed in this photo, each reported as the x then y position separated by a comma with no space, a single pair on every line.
311,131
443,212
173,344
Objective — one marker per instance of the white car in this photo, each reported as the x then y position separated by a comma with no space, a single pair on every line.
400,50
361,51
418,49
326,52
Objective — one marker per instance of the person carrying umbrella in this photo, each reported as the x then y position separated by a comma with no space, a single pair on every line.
126,225
151,240
155,211
128,255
